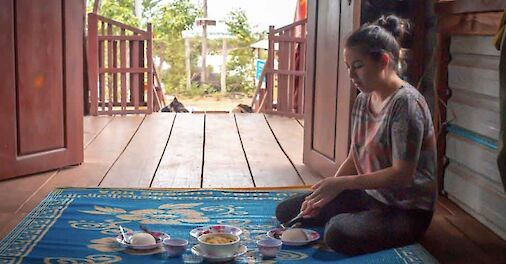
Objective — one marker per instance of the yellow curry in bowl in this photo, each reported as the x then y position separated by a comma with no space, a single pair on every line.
219,240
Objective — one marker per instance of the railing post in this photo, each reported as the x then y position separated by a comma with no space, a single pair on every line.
122,59
282,78
135,62
109,75
93,62
301,67
269,75
101,66
149,55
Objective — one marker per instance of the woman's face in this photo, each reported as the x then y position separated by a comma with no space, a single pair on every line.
364,72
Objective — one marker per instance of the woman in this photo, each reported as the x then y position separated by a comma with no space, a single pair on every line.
383,194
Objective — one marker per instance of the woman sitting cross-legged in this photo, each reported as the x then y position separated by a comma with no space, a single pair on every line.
383,194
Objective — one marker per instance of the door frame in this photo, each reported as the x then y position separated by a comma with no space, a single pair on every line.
349,21
12,163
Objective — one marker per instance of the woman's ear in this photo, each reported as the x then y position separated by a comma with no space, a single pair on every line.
384,61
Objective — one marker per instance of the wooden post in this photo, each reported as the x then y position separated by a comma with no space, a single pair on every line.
134,77
96,7
138,9
122,56
441,96
101,66
269,76
187,54
224,67
115,75
301,79
149,55
203,75
141,76
109,74
416,71
93,62
282,89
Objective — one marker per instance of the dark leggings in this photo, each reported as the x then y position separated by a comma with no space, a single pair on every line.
355,223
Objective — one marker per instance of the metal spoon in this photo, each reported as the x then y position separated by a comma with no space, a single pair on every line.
156,235
290,223
123,234
145,229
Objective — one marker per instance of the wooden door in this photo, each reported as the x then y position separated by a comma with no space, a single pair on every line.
329,96
41,91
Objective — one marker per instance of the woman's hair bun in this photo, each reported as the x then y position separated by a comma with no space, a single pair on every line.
397,26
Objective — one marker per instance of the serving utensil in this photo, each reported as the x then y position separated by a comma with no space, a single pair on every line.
292,221
123,234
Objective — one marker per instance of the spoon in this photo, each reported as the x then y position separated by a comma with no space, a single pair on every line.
156,235
124,235
290,223
145,229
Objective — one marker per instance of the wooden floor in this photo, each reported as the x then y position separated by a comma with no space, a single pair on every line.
214,151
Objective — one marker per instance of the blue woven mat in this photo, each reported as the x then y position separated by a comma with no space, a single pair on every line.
80,226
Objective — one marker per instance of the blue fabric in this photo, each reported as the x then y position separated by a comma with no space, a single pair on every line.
80,226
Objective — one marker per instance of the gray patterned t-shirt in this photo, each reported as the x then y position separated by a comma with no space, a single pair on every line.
402,130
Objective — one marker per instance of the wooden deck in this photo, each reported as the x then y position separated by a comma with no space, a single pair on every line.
215,151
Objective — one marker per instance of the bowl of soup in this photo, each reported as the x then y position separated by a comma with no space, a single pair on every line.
219,245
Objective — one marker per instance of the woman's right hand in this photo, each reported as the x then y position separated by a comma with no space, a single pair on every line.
324,192
308,209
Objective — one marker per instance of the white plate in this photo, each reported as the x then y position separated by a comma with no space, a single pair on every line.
214,229
239,252
311,235
129,235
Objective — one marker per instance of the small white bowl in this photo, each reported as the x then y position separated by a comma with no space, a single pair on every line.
175,246
219,250
269,247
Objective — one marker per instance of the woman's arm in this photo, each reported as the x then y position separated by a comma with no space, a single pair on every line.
400,174
407,130
347,167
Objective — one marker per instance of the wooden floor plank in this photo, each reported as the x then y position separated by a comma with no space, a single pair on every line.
482,236
181,164
98,158
454,236
289,133
269,165
138,163
92,125
490,243
5,217
301,122
224,161
449,245
14,192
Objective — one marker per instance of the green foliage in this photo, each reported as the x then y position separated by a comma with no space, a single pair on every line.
240,66
238,24
169,22
169,18
119,10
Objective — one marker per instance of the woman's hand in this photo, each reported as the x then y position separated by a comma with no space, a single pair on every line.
324,192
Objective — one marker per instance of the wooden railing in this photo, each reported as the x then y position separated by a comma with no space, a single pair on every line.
284,91
159,100
120,67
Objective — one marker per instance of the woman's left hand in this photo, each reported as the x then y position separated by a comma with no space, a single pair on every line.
324,192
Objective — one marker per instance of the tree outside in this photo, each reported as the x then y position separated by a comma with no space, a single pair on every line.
169,20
